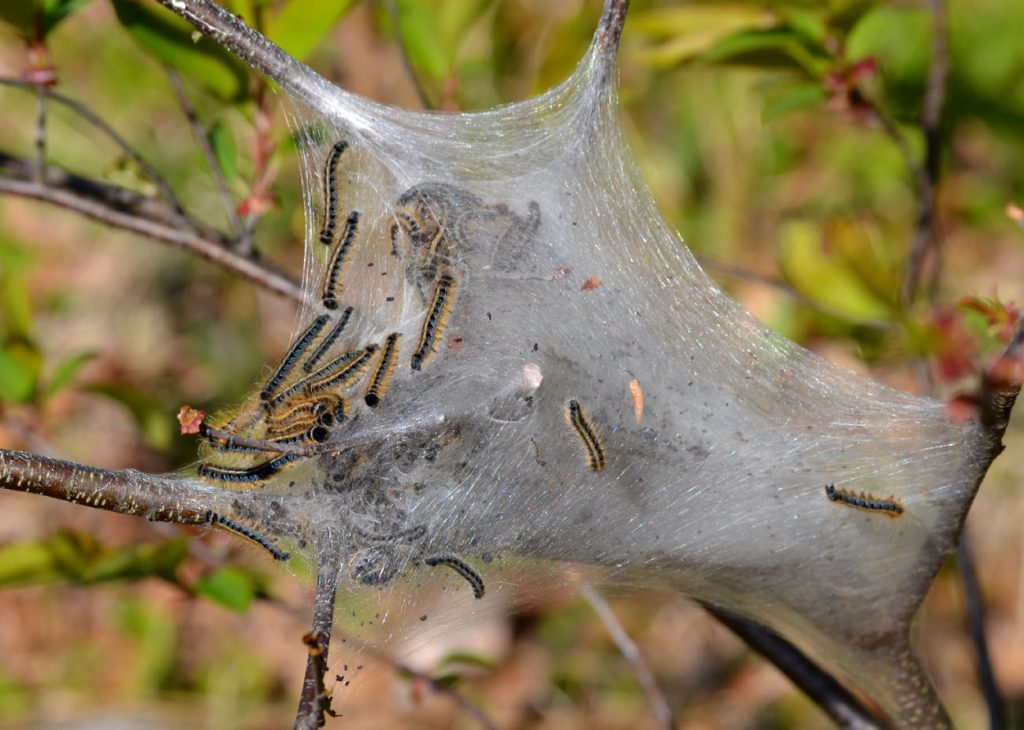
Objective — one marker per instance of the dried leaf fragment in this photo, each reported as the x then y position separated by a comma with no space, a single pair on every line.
636,393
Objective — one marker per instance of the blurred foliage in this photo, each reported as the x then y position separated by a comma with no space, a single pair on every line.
757,125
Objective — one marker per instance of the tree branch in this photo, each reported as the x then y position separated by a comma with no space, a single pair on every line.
833,698
125,209
199,132
629,650
151,173
926,235
315,700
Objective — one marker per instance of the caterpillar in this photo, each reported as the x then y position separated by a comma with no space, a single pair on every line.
214,518
433,325
350,365
386,367
326,411
463,569
351,371
250,475
587,434
337,264
891,507
292,356
331,192
327,342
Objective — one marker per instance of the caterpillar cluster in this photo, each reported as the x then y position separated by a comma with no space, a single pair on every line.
311,391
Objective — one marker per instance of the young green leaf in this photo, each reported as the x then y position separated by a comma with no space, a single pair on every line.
300,25
224,150
66,370
170,40
230,587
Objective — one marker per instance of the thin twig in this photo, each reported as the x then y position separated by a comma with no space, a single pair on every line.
315,700
40,159
200,133
410,70
926,234
128,210
629,650
442,688
151,173
832,697
974,606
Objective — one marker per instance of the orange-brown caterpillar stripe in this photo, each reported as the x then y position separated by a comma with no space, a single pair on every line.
891,507
334,269
464,570
328,341
385,368
588,435
326,411
293,355
437,317
227,523
331,192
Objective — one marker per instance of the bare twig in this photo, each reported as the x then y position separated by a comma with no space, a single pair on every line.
151,173
40,159
926,235
974,607
833,698
128,210
629,650
444,689
315,700
242,242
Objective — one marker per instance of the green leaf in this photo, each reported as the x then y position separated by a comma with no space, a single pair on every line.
779,48
462,658
691,30
170,40
421,35
825,278
55,11
300,25
791,98
66,370
20,15
16,301
229,587
18,373
223,144
26,563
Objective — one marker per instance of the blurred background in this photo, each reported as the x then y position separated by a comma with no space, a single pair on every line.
782,139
